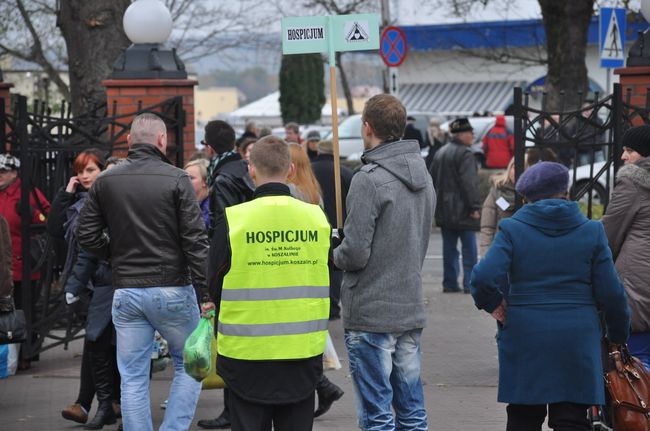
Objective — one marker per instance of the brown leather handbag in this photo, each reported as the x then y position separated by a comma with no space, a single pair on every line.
628,384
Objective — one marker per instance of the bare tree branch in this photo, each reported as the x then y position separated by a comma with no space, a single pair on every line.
36,53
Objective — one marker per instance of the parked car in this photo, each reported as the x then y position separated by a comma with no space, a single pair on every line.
351,142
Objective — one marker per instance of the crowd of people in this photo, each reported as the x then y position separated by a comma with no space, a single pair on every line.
248,228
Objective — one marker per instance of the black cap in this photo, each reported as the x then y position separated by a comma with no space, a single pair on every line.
638,139
460,125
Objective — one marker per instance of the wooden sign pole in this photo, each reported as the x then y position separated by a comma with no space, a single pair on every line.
335,127
335,145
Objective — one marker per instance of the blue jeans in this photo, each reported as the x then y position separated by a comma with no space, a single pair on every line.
639,345
137,313
450,257
385,370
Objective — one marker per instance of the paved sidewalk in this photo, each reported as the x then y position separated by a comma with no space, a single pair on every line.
459,371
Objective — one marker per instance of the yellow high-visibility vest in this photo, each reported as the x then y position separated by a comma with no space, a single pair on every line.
275,297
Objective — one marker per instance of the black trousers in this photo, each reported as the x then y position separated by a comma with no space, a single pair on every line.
336,277
103,363
561,417
247,416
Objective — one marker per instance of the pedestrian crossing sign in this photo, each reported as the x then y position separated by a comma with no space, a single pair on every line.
612,37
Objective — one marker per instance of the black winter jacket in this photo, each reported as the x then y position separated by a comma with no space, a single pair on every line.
455,179
231,186
323,167
89,268
157,233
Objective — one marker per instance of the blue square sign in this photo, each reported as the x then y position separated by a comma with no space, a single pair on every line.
612,37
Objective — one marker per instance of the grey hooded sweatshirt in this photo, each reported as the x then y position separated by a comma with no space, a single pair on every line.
390,207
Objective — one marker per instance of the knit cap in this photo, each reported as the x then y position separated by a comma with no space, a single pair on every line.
638,139
543,180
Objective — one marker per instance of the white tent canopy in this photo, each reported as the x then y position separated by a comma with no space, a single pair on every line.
266,111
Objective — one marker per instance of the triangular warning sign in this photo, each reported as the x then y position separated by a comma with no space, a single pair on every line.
612,44
357,34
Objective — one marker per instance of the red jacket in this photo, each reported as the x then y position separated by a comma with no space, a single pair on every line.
9,199
498,145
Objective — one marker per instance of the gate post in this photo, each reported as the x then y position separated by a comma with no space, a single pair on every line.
520,141
147,73
5,109
127,96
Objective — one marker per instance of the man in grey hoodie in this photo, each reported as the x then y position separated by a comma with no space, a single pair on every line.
390,208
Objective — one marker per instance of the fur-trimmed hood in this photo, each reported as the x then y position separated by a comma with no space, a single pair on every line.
638,173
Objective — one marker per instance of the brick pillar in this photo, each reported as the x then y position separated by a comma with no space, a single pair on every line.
636,80
4,94
126,94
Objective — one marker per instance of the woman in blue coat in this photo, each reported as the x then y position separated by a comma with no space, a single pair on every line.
560,271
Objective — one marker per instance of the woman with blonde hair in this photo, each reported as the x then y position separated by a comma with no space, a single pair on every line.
198,172
302,182
499,204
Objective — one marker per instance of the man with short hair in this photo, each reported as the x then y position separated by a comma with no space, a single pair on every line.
268,273
292,131
455,176
158,248
390,211
227,173
230,185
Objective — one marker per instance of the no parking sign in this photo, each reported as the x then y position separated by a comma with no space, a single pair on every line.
393,46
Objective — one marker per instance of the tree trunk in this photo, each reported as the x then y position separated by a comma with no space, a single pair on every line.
345,84
94,37
566,24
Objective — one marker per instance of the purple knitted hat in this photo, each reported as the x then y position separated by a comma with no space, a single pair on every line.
543,180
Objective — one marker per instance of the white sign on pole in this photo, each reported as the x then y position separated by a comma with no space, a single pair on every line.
612,31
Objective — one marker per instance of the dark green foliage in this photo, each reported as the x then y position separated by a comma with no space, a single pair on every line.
302,88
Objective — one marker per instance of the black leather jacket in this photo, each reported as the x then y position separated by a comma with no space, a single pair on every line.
157,233
232,186
455,179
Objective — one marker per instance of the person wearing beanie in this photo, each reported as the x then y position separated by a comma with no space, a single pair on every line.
627,224
544,180
313,138
560,272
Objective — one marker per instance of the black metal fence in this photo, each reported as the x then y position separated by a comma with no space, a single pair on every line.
47,142
587,140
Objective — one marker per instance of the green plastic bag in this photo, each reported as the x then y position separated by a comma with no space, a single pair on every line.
197,354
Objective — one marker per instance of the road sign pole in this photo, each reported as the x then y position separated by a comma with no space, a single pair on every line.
335,130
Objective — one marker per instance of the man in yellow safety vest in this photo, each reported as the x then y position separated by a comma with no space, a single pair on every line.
268,273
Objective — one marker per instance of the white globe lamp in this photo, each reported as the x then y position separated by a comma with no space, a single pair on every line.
147,21
148,24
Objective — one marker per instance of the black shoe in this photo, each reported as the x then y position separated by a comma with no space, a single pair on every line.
327,394
457,290
220,423
105,416
466,291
